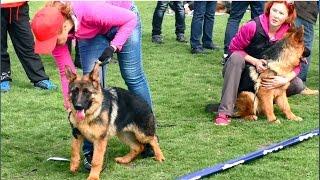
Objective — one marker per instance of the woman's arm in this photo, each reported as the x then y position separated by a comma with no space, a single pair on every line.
63,58
243,38
277,81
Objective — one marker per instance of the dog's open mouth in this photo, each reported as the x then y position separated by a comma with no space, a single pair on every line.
80,115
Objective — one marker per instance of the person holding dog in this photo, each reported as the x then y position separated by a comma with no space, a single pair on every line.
101,30
245,48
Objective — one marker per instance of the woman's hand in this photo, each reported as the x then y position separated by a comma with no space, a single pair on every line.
274,81
260,65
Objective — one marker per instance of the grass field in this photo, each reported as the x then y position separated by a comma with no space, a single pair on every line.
34,125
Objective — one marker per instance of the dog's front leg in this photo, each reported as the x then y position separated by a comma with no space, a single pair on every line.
99,150
282,102
75,153
266,100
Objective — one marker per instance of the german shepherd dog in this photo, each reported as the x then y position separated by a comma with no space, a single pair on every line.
282,58
98,114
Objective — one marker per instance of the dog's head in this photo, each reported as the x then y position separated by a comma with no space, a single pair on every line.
84,92
295,40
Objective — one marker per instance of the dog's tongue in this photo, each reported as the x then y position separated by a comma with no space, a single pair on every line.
80,115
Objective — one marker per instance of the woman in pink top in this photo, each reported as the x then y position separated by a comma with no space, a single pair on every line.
246,48
101,29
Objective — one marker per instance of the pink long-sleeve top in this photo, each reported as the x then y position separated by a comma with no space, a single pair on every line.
245,34
95,18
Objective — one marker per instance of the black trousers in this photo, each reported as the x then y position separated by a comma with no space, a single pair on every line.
158,14
15,21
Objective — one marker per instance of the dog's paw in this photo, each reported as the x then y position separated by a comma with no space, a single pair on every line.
276,121
251,118
93,178
296,118
122,160
159,158
73,169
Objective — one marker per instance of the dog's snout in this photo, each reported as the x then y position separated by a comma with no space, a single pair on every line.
78,106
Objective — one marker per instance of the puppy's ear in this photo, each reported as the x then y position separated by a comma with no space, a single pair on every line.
298,35
94,74
70,75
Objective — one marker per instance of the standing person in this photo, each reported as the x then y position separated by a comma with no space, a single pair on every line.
238,9
202,26
188,7
307,14
157,19
15,21
100,34
246,48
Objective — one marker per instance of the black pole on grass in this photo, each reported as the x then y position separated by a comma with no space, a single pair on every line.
249,157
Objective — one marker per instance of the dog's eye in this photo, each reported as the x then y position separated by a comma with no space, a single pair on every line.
85,90
75,89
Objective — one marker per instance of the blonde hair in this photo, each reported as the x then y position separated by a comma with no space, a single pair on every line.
64,7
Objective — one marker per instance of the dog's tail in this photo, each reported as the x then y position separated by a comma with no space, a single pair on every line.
246,105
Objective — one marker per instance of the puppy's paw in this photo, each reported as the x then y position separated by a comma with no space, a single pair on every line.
251,118
93,178
275,121
159,158
296,118
122,160
74,168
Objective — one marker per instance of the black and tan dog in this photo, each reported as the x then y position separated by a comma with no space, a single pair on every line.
98,114
282,58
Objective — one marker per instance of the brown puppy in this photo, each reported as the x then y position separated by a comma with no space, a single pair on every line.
282,58
98,114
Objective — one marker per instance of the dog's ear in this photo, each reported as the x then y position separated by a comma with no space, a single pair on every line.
298,35
70,75
94,74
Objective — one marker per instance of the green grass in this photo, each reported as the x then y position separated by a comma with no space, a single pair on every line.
34,125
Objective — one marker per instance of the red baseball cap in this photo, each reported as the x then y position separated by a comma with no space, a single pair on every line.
46,25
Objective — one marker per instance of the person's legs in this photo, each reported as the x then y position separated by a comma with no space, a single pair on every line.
90,50
232,74
158,17
23,43
295,87
308,40
180,17
238,8
130,62
208,24
5,59
256,8
197,24
77,62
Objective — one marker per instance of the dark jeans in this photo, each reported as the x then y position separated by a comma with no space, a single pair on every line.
18,26
158,14
308,40
238,8
77,62
202,23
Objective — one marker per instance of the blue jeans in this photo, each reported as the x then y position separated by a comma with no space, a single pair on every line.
308,40
130,62
158,14
238,8
202,24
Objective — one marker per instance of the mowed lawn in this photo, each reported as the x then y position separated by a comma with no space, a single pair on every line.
34,124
